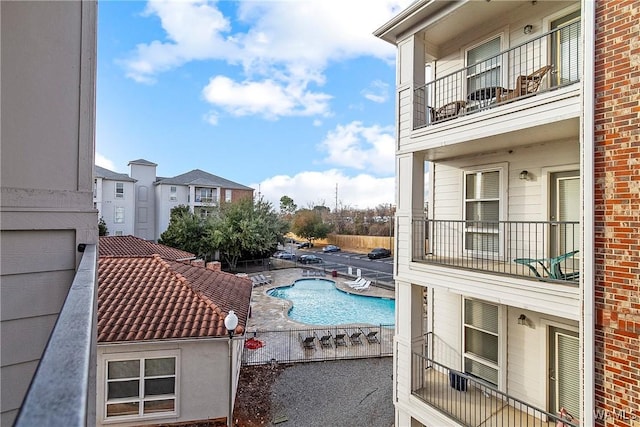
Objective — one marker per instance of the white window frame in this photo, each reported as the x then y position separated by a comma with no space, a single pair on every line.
117,209
501,334
504,42
173,193
228,194
142,357
502,169
119,191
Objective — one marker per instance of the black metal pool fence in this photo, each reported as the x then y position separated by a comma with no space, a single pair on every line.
318,344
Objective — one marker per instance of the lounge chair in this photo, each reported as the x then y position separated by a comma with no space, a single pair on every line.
325,340
362,287
265,279
338,338
354,336
370,335
308,341
361,281
525,85
358,281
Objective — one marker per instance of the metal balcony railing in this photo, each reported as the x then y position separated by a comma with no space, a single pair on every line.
62,392
518,248
473,402
200,199
546,62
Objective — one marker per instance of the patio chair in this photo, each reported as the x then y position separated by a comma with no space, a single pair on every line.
308,341
363,287
256,281
553,271
447,111
324,340
338,338
370,335
359,282
525,85
265,279
354,336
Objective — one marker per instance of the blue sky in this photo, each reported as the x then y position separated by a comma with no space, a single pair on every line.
288,97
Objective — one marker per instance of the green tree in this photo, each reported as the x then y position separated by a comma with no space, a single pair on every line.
102,227
287,206
185,231
309,225
244,228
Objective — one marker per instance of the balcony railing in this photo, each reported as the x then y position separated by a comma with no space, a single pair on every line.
473,402
62,392
546,62
211,200
517,248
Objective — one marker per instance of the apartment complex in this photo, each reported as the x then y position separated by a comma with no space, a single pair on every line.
49,226
140,204
495,319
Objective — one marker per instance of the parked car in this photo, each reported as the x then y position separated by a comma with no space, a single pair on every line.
310,259
305,245
379,253
284,255
331,248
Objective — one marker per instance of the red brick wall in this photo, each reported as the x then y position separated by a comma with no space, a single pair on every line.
617,212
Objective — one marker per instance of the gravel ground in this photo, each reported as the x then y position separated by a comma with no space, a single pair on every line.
344,393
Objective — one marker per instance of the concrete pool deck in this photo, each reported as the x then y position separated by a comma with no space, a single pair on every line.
270,314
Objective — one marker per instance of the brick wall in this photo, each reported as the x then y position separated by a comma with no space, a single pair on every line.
617,212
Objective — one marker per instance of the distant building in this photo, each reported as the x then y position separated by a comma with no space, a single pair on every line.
140,204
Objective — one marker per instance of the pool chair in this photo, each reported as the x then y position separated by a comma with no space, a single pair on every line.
370,335
308,341
363,287
264,279
324,339
354,336
356,283
338,338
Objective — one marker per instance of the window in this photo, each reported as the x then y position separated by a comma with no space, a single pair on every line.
227,195
173,193
484,64
204,195
565,48
119,190
95,188
141,387
119,233
118,217
482,211
481,340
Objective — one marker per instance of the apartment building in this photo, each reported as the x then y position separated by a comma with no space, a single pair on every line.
140,204
495,321
113,197
49,229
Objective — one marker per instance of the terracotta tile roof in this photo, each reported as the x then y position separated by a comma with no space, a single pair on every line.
148,298
135,246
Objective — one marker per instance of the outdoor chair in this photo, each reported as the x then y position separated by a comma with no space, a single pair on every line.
358,281
324,340
550,267
308,341
525,85
354,336
370,335
363,287
339,340
361,281
447,111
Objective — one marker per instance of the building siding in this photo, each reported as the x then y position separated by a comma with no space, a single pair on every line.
617,213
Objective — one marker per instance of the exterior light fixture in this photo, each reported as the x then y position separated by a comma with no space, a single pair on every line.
230,322
528,29
524,175
522,320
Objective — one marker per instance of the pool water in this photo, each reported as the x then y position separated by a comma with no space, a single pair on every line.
318,302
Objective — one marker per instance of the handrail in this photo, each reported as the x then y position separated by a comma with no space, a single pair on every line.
478,86
424,375
62,392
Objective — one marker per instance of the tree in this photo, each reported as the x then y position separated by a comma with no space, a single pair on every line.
244,228
287,206
102,227
308,224
185,231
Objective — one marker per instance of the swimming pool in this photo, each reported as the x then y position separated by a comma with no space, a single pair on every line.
318,302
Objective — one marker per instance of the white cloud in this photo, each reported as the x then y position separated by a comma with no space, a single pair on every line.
102,161
378,92
285,50
312,188
359,147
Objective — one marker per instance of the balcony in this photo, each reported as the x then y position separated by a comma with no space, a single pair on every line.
62,392
516,248
206,200
544,63
473,402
